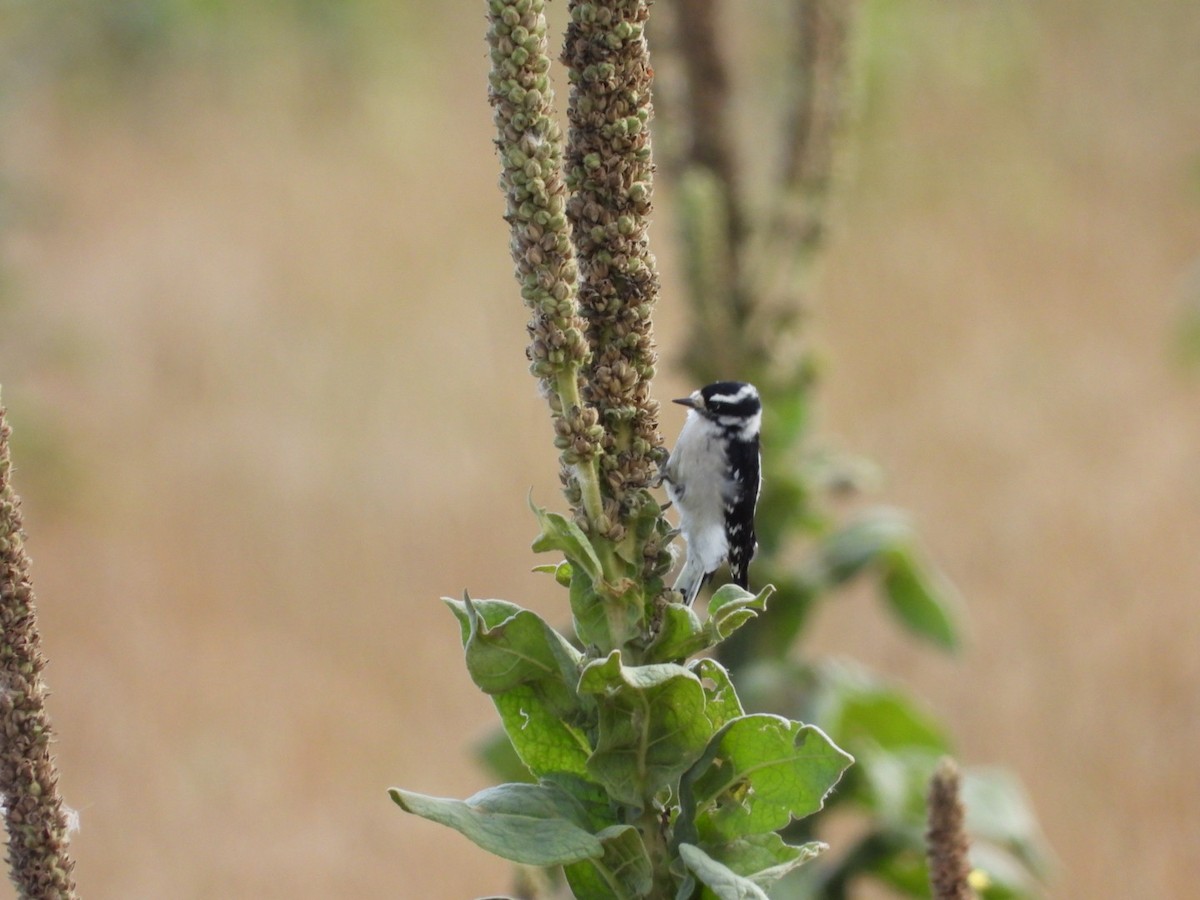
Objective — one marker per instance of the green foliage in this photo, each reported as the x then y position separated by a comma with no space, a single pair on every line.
534,824
640,773
756,775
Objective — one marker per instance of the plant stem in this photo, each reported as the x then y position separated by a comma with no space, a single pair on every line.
649,825
586,470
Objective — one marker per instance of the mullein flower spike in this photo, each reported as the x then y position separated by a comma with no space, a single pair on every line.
530,148
609,173
36,820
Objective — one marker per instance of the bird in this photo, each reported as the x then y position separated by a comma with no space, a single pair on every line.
713,476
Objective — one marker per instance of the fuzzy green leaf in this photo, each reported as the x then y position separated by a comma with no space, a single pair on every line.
544,740
731,607
764,858
761,859
680,635
920,598
587,610
490,612
560,533
520,649
758,773
719,878
604,619
531,824
722,704
561,572
624,872
607,613
652,725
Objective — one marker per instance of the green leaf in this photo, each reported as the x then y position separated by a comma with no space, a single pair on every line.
491,612
520,649
731,607
721,700
920,598
998,810
680,635
624,872
773,633
862,543
858,710
764,858
588,612
758,773
561,572
719,878
652,725
883,539
605,619
786,416
560,533
607,613
531,824
544,740
784,508
898,861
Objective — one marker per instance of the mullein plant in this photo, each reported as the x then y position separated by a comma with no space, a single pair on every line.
747,279
640,773
35,818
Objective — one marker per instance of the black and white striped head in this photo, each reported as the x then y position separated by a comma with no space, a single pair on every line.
733,406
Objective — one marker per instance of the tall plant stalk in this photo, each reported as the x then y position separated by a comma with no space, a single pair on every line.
38,860
639,773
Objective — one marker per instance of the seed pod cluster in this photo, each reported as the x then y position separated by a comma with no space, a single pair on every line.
609,174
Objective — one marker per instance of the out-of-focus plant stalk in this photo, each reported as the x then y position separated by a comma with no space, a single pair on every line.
39,864
946,839
712,220
818,65
747,272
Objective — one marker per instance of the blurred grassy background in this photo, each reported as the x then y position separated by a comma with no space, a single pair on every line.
263,354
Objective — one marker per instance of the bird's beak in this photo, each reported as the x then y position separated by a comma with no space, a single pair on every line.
686,401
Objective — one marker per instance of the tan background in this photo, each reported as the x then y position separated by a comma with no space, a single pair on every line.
262,349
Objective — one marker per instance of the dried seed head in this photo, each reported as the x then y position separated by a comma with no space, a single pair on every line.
609,171
39,864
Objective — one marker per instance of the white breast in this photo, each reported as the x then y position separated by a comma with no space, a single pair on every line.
697,483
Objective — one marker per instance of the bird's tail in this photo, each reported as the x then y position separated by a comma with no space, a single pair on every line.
691,578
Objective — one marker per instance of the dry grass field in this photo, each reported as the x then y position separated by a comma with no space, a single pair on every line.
263,355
